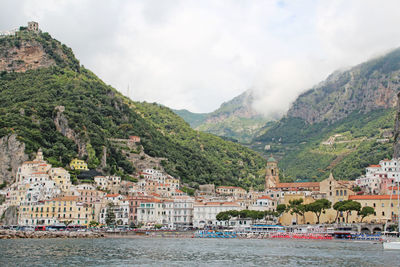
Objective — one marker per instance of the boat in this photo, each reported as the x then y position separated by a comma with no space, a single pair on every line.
394,244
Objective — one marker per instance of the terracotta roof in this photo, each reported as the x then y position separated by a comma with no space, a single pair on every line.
371,197
374,166
305,184
218,204
35,162
151,200
66,198
393,187
265,197
178,191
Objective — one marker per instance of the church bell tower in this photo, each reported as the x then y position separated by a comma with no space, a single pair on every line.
272,173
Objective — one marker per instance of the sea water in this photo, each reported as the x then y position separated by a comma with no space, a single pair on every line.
192,252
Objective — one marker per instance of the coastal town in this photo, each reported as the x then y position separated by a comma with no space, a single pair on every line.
44,196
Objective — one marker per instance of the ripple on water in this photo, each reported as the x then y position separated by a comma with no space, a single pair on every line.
194,252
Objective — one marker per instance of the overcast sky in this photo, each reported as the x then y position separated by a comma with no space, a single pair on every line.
198,54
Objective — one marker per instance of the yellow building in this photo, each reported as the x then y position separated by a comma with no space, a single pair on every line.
62,178
78,164
234,191
334,190
58,210
385,207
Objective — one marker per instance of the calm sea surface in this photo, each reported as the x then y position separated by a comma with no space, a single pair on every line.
192,252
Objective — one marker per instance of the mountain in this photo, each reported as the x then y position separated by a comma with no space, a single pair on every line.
194,119
341,125
235,119
49,101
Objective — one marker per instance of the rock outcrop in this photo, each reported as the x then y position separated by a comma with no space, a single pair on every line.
12,154
10,216
366,87
25,56
396,145
61,123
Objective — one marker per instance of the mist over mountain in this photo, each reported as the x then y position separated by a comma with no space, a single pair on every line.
342,125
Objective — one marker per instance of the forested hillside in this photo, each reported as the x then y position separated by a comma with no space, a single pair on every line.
235,119
69,112
342,125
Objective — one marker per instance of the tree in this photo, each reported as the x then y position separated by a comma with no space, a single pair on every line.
93,224
366,211
281,208
110,215
339,207
318,207
349,206
296,207
223,216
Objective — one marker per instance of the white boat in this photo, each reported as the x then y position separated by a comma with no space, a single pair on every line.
391,244
394,243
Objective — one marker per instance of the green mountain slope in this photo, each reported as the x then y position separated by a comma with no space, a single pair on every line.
69,112
194,119
235,119
342,125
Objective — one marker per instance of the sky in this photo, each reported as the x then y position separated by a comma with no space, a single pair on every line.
195,55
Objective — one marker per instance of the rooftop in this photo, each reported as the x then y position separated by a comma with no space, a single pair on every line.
371,197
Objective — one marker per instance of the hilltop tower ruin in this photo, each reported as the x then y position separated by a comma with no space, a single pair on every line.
33,26
272,174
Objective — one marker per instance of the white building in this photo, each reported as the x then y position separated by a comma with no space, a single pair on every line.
378,177
264,203
182,211
120,208
204,213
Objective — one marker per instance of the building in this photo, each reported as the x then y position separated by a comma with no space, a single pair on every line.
134,139
119,208
272,173
110,183
204,213
378,177
77,164
386,207
334,190
182,212
301,186
33,26
149,213
62,179
264,203
233,191
67,210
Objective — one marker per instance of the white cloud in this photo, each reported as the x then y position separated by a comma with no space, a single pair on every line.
198,54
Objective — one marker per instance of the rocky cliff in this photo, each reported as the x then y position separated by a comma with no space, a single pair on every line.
24,56
29,50
61,123
12,154
396,145
368,86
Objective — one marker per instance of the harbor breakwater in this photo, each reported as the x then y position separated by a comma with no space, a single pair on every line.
13,234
